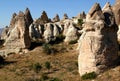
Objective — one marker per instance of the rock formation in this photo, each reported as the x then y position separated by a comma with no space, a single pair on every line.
56,18
18,36
43,19
98,46
116,9
28,17
81,15
36,32
13,20
70,32
65,16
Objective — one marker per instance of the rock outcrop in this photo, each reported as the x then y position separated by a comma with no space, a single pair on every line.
36,32
98,46
18,38
70,31
43,19
81,15
65,16
28,17
116,9
13,20
56,18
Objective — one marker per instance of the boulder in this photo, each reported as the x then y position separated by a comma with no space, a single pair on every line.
98,46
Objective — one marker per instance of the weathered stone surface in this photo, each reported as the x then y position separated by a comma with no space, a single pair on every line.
98,46
19,36
48,33
116,9
43,19
28,17
70,32
81,15
95,13
13,20
36,32
5,33
56,18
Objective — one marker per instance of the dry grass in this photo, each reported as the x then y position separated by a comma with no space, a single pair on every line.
63,66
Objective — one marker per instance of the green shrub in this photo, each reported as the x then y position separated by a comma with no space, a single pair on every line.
91,75
80,22
47,65
55,79
48,49
36,67
73,42
44,77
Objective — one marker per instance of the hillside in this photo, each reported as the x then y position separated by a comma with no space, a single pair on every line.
63,66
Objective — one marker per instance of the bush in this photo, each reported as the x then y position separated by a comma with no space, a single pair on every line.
36,67
55,79
91,75
73,42
80,22
47,65
44,77
47,48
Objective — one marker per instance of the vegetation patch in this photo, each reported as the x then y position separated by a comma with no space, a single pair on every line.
36,67
73,42
48,49
91,75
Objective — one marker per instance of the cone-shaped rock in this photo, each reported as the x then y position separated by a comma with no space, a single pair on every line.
19,36
81,15
95,13
56,18
44,17
12,22
98,46
65,16
28,16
